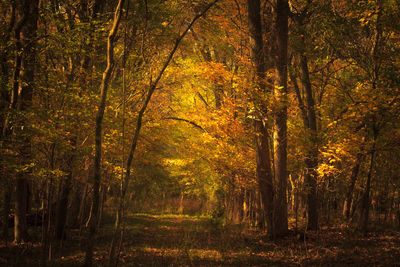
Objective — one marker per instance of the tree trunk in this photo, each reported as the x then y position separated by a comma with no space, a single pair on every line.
120,209
280,120
20,223
48,220
17,71
73,207
28,30
83,206
103,196
350,189
264,173
311,161
142,110
62,208
98,133
62,205
366,199
310,125
5,68
6,209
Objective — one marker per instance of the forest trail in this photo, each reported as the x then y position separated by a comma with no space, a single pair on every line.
263,112
182,240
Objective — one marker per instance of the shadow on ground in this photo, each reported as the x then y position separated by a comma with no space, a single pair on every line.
176,240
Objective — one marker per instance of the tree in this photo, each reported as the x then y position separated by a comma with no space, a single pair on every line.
143,109
280,119
264,173
28,24
98,131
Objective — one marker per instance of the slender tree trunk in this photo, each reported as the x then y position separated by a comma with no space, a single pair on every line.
74,206
20,223
5,129
241,206
310,124
62,205
366,197
98,133
62,208
101,205
120,209
375,130
48,220
354,205
6,209
83,206
311,160
280,120
17,69
5,69
350,189
47,206
28,65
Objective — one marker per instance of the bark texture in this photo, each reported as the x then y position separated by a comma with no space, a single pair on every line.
264,173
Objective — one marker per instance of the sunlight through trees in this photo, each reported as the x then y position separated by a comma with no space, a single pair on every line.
273,118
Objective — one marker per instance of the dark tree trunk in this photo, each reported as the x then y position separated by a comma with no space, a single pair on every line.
349,194
365,206
264,173
366,199
307,108
311,161
28,31
280,120
98,133
218,93
74,207
5,68
16,74
62,208
83,207
20,223
62,205
6,210
374,127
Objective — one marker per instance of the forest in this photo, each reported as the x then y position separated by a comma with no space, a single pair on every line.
199,132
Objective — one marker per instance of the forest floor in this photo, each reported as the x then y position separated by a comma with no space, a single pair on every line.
177,240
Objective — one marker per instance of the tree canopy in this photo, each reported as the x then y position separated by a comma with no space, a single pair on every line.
276,114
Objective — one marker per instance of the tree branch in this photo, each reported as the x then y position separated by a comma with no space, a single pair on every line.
188,121
154,85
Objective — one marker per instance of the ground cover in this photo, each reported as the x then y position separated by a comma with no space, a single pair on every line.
178,240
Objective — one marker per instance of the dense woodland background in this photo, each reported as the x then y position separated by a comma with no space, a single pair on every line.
281,116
